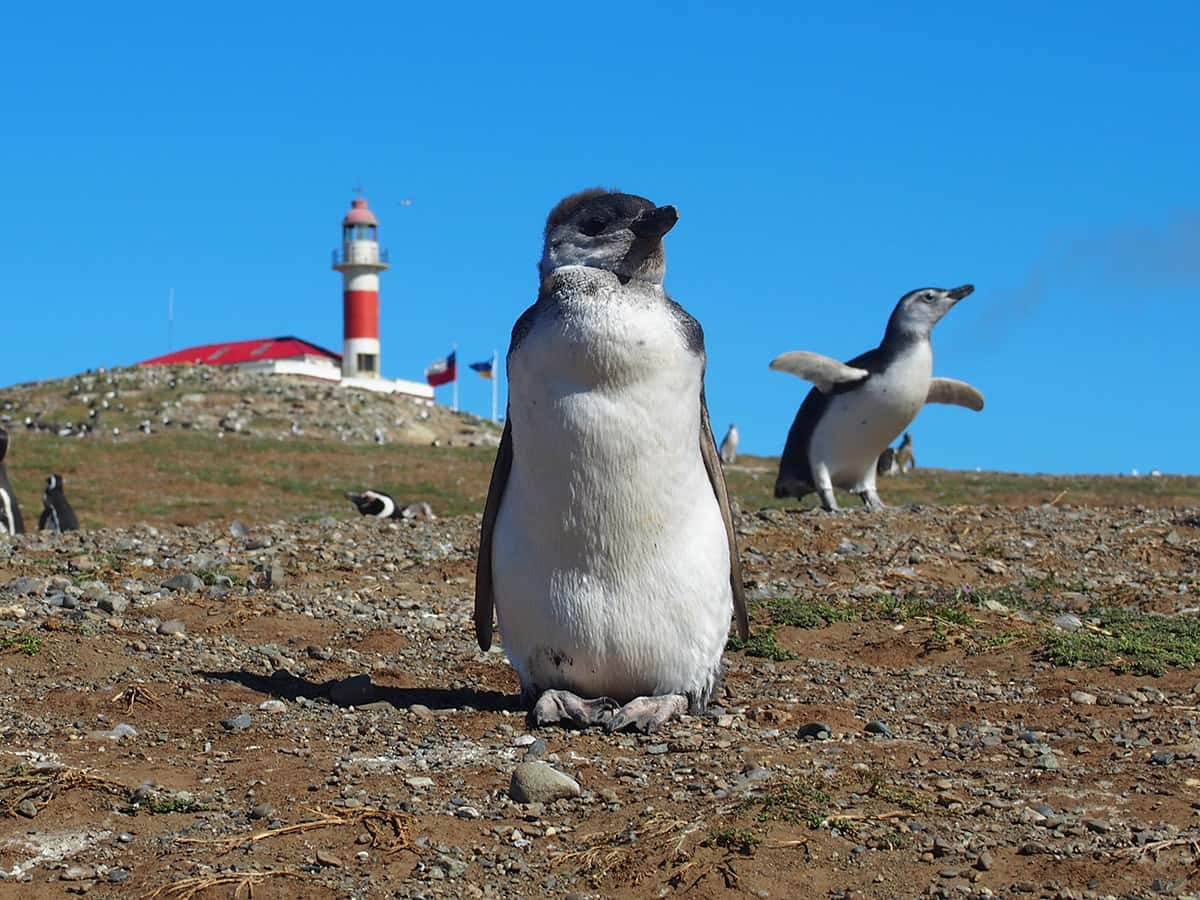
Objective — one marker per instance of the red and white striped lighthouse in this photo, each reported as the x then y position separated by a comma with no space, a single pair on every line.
360,261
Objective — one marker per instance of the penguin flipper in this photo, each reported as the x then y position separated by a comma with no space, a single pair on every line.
716,477
484,599
823,371
44,518
954,393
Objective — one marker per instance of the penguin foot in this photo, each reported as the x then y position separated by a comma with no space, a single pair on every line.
871,500
648,714
571,710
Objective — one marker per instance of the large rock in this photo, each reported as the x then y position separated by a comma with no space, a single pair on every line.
537,782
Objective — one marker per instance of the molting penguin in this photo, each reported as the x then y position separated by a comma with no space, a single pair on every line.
729,445
607,548
57,514
10,511
375,503
858,408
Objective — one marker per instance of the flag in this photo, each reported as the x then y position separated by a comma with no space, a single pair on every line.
485,369
443,371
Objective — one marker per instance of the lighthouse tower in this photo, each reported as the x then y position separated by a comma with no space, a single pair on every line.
360,261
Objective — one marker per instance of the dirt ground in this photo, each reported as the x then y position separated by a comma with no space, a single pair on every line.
938,701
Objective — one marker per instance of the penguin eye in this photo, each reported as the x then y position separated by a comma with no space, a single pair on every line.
592,226
927,297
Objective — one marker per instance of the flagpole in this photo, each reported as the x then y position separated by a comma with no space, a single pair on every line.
455,407
495,376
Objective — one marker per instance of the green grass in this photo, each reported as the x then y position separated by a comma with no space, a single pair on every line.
739,840
761,644
29,644
800,800
1130,641
164,804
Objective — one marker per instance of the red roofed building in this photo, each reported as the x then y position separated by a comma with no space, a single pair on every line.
360,261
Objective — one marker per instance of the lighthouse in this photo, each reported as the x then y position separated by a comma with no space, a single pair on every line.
360,261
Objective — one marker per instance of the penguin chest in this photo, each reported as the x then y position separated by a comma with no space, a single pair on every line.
860,423
610,562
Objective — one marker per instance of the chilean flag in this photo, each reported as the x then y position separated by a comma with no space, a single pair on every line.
443,371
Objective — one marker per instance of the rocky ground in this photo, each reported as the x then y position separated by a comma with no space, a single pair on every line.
127,403
974,701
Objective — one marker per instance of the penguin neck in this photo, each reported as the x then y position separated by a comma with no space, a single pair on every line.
900,337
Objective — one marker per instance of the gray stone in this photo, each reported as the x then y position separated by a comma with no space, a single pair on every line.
26,586
1162,757
184,581
27,808
172,627
1047,761
262,811
117,875
113,603
878,727
817,730
237,723
536,782
1083,698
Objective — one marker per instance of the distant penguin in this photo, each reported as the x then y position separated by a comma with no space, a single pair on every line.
10,511
375,503
892,460
858,408
607,547
729,445
57,514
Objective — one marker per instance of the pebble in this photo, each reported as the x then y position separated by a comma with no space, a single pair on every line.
184,581
113,603
537,782
262,811
878,727
272,706
817,730
171,627
27,808
117,875
239,722
1083,698
417,782
1162,757
985,861
325,858
1047,761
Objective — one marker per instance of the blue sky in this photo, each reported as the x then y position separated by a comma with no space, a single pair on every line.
823,162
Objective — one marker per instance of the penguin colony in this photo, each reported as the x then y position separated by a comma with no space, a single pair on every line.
57,514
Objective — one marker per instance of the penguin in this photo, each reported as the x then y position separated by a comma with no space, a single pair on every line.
904,455
893,459
729,445
10,511
57,514
858,408
375,503
607,549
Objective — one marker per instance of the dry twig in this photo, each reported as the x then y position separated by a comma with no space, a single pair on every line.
377,822
135,693
187,888
865,817
1157,847
608,851
45,784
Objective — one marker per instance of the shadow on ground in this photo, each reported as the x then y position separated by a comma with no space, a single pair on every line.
358,690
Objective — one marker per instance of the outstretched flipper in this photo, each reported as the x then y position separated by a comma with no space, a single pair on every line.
484,601
954,393
823,371
716,477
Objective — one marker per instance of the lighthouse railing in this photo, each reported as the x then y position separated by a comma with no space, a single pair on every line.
353,255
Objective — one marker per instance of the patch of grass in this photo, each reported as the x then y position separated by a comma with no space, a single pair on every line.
762,645
29,644
163,804
807,613
739,840
904,609
800,800
905,798
1128,641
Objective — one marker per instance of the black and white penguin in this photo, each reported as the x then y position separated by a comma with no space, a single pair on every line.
57,514
729,445
607,548
859,407
10,511
375,503
897,460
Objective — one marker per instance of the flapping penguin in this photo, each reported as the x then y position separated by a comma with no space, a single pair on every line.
859,407
607,548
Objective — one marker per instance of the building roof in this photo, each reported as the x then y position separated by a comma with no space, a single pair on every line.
359,214
234,352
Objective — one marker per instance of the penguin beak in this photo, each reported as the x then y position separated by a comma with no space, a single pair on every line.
958,293
656,222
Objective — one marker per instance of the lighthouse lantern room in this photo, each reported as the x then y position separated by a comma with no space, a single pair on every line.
360,261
